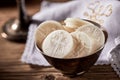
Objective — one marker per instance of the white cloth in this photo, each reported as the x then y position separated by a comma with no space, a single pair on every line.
115,56
105,12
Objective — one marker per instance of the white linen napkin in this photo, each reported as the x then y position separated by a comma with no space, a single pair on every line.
105,12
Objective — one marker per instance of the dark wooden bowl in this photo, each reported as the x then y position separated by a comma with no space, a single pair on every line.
75,66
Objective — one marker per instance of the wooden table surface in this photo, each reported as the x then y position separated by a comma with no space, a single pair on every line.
11,68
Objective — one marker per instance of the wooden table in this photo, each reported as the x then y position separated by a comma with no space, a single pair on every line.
11,68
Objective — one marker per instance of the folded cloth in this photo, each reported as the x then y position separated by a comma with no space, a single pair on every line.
115,56
104,12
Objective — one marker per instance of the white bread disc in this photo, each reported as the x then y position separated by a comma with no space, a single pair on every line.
71,24
90,38
58,44
44,29
95,33
86,44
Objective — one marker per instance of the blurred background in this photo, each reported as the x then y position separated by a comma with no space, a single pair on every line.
8,9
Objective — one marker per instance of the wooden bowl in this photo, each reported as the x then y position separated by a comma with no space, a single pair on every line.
76,66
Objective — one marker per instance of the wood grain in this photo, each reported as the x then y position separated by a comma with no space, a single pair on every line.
11,68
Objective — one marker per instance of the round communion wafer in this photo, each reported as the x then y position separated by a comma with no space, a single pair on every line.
89,38
71,24
86,46
95,33
58,44
44,29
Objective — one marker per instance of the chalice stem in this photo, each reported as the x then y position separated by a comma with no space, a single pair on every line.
22,16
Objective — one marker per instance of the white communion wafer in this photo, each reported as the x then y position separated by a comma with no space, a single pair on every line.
71,24
95,33
90,38
44,29
58,44
86,46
